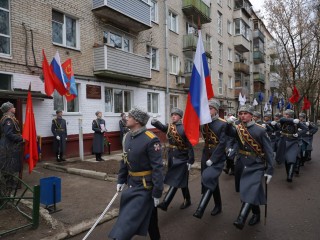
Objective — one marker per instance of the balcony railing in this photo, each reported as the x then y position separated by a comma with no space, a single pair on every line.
196,8
241,67
259,77
190,44
258,57
258,34
241,44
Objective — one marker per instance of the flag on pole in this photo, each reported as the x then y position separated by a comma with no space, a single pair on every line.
242,100
271,99
47,75
295,96
71,83
260,97
306,104
29,134
59,78
197,109
255,103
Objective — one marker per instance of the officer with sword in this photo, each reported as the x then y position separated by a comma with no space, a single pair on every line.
59,131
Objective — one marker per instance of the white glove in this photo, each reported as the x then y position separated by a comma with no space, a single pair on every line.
231,119
299,129
295,135
296,121
153,121
268,178
58,137
156,201
273,123
209,163
263,125
307,123
102,131
189,166
120,186
308,133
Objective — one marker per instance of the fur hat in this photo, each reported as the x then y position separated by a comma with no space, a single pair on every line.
289,112
139,115
267,114
231,113
58,111
303,115
214,103
177,111
246,108
256,114
5,107
279,115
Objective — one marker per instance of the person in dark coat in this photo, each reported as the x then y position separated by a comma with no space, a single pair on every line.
254,161
99,128
11,140
257,117
213,159
288,149
142,170
272,129
59,131
180,158
123,126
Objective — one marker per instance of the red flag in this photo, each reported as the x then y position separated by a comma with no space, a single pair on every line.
306,104
47,74
295,96
71,84
29,134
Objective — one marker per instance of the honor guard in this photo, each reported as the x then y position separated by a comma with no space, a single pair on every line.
257,117
99,128
272,129
180,158
59,131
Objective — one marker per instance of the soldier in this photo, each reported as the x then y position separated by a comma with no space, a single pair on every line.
288,147
254,161
141,169
123,126
272,129
180,158
99,128
59,131
212,161
257,117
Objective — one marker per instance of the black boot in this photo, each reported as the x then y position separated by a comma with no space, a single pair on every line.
187,199
98,157
203,204
168,198
231,168
58,158
297,166
226,169
62,159
308,157
244,212
217,201
290,173
256,215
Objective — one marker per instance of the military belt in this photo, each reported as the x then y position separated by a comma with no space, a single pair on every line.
246,153
211,145
287,134
59,129
176,147
142,174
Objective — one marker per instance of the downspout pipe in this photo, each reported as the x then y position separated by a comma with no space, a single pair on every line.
167,96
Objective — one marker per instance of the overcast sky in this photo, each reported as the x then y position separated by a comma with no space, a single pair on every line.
257,4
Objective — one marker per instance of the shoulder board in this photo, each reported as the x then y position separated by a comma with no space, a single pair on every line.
150,134
223,120
259,125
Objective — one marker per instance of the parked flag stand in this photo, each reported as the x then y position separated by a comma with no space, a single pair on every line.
50,193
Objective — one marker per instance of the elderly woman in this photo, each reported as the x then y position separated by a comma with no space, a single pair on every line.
99,128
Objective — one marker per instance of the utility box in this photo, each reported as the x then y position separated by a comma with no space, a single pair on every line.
50,190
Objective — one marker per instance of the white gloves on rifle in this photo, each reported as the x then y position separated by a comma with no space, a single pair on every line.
296,121
156,201
231,119
120,186
295,135
58,138
268,178
273,123
263,125
209,163
189,166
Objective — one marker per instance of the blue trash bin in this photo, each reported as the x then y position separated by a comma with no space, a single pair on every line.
50,190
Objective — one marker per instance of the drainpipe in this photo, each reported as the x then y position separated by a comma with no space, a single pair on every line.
167,96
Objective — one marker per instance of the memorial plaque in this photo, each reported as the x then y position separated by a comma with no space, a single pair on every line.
93,91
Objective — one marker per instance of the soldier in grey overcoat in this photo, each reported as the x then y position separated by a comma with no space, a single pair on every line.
142,170
59,131
254,161
11,140
288,148
180,158
99,128
213,159
272,129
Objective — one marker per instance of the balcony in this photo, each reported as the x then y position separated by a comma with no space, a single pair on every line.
244,6
258,77
241,67
190,44
196,8
241,44
117,64
258,34
131,15
258,57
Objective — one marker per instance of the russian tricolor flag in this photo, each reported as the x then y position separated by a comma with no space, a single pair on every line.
58,76
197,109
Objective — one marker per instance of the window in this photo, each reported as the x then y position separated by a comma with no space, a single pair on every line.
59,102
190,29
5,31
220,83
220,48
153,102
173,64
117,100
154,11
65,30
117,41
154,56
174,99
220,23
242,28
188,65
230,54
5,81
173,22
208,43
229,27
230,82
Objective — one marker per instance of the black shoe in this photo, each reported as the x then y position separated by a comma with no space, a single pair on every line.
239,223
216,210
226,170
99,159
254,219
59,160
185,204
163,206
198,214
62,160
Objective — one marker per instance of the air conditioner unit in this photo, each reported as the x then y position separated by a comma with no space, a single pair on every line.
181,80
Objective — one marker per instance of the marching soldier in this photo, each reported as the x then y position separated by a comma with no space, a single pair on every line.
254,161
99,128
141,169
180,159
59,131
288,148
257,117
212,161
272,129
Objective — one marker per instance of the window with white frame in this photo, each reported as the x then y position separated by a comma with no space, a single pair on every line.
154,10
173,22
173,64
5,83
219,23
174,99
60,103
230,82
208,42
241,28
117,40
229,27
65,30
220,49
154,56
220,83
188,65
117,100
153,102
5,28
230,54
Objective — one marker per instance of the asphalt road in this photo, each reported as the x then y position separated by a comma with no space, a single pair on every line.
293,210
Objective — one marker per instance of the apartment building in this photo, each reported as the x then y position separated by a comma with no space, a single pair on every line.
125,53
